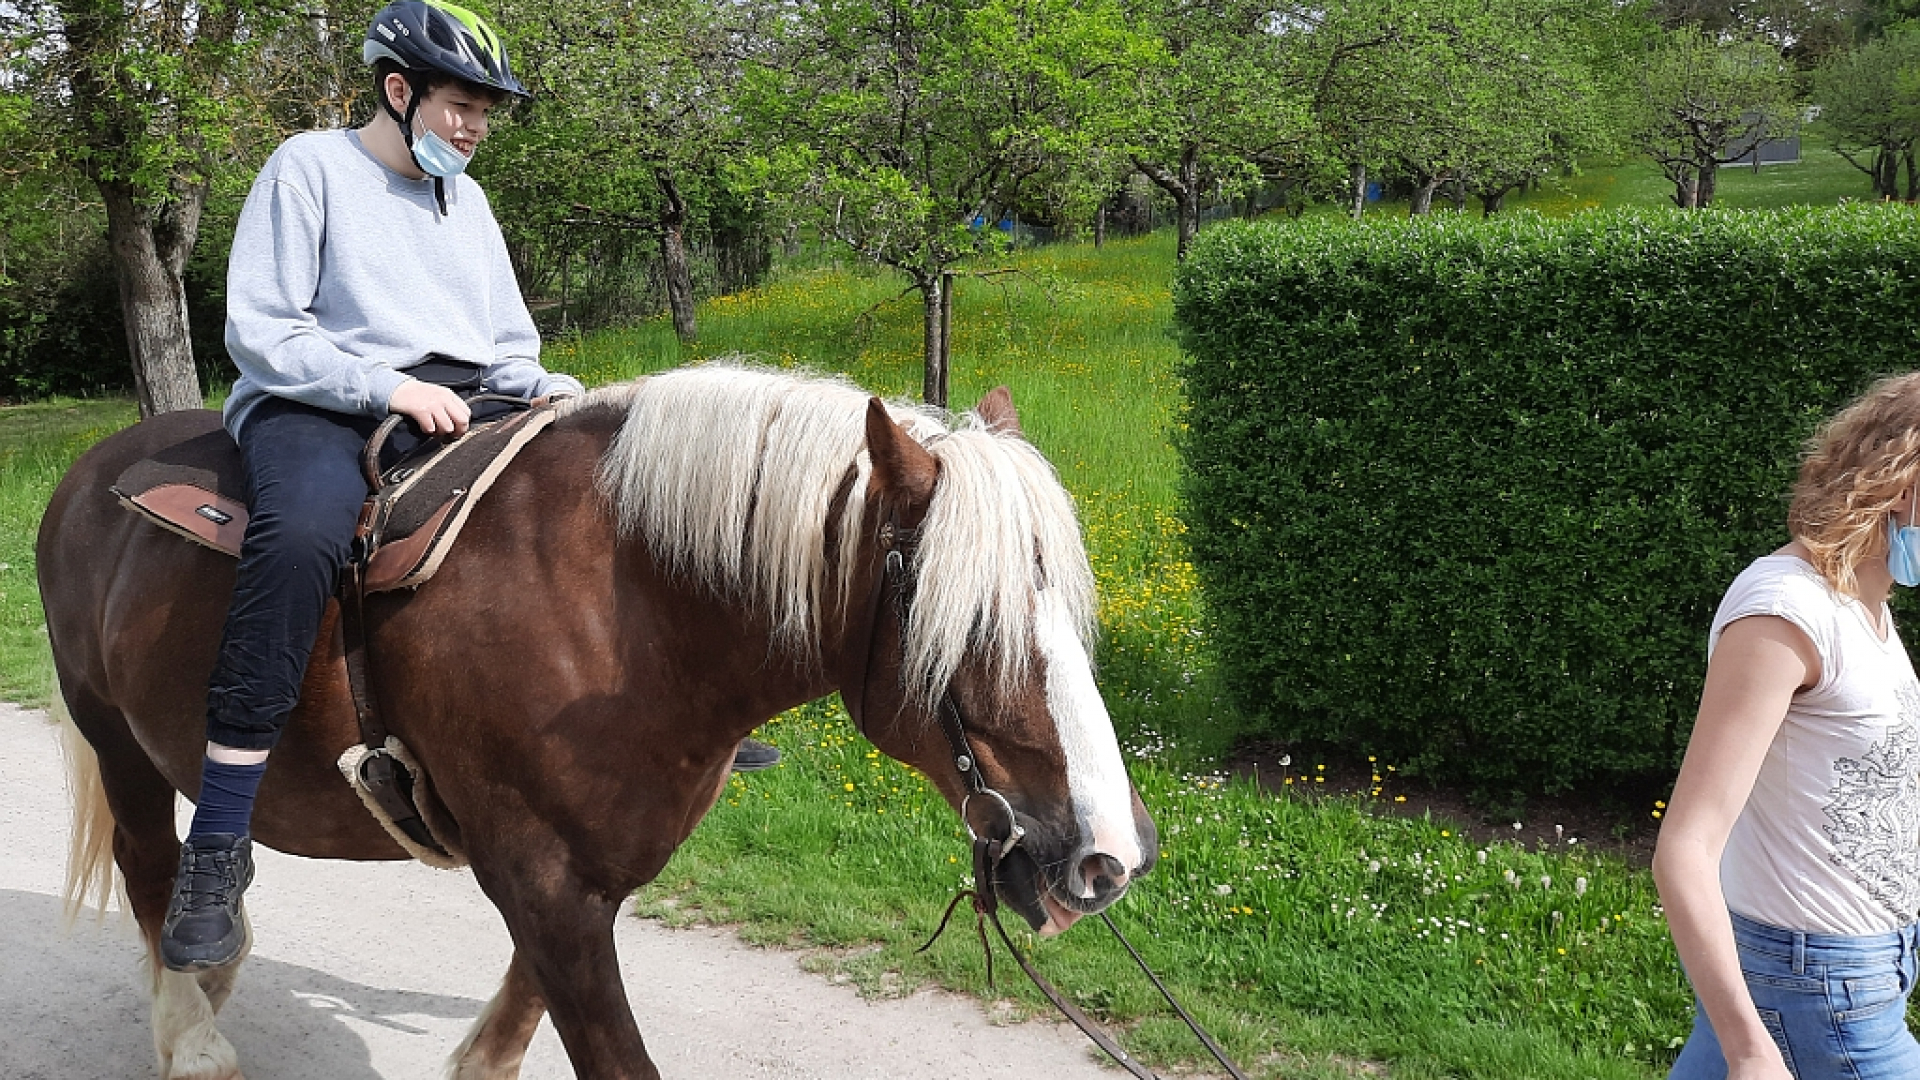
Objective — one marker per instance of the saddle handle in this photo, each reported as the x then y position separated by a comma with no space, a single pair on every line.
370,457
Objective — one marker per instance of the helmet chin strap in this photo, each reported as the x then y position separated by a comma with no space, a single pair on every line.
416,84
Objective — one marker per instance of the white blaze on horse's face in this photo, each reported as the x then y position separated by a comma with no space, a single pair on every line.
1096,776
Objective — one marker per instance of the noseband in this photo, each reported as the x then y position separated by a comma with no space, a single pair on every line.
898,545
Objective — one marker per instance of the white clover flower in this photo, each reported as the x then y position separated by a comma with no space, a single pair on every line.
1517,826
1286,760
1579,886
1546,881
1512,878
1373,867
1223,890
1480,856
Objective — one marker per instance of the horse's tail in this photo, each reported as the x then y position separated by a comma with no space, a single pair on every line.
90,870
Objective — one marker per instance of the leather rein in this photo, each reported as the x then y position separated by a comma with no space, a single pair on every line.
898,546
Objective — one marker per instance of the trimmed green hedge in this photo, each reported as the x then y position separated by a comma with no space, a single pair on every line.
1464,495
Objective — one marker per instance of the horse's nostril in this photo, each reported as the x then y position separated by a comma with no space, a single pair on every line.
1101,875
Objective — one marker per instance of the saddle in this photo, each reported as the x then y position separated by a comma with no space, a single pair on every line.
416,508
196,489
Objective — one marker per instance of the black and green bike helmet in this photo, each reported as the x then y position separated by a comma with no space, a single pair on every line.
428,37
434,36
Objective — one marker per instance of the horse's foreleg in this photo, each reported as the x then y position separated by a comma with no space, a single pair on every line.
498,1042
564,935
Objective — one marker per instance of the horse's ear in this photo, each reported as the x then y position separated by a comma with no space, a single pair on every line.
997,410
901,466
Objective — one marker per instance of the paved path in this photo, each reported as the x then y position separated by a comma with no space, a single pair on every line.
315,1004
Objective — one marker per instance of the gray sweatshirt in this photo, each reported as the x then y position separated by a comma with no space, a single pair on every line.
344,274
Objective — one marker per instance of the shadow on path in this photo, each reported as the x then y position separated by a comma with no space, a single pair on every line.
76,1008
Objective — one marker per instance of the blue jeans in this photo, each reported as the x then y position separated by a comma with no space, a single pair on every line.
304,491
1836,1006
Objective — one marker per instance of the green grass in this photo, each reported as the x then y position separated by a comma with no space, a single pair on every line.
1310,936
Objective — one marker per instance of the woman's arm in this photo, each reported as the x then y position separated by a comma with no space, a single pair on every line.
1758,664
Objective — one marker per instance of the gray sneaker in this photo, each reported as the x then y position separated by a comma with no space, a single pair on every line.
203,928
754,755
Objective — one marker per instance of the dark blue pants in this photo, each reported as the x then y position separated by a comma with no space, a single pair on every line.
304,492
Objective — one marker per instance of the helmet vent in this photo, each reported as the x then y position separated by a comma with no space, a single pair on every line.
438,33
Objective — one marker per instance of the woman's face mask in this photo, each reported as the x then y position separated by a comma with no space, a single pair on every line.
1903,547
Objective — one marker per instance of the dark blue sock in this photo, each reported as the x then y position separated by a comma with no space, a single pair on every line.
226,798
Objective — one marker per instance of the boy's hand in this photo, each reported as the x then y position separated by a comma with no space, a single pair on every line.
435,410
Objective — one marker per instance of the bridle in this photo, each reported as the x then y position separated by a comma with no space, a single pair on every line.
898,546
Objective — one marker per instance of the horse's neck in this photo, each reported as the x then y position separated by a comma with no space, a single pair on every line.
694,644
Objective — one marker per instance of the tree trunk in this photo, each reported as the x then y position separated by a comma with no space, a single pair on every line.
331,109
1686,191
1184,186
1458,190
1492,201
1885,172
1708,182
1423,197
1100,227
934,317
150,248
673,258
1357,191
1913,182
1189,202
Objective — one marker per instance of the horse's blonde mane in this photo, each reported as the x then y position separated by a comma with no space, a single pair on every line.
729,471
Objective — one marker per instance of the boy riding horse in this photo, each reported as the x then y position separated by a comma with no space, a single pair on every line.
360,254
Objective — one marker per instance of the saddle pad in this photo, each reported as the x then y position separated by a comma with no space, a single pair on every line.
196,488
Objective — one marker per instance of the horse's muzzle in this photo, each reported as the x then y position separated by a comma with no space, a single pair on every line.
1091,882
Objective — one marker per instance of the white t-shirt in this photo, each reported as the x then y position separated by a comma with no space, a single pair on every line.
1829,841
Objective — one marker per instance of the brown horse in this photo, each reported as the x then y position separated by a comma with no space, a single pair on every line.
670,564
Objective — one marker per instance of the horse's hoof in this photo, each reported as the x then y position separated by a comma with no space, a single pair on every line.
203,1055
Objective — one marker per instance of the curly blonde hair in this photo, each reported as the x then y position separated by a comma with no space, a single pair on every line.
1856,467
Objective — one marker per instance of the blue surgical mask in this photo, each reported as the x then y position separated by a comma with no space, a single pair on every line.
437,156
1903,552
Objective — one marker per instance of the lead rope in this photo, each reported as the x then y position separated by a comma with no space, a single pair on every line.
986,907
1192,1024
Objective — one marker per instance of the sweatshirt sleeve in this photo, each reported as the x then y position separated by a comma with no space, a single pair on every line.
272,335
516,366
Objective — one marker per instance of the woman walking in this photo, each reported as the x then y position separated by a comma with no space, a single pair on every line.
1789,861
